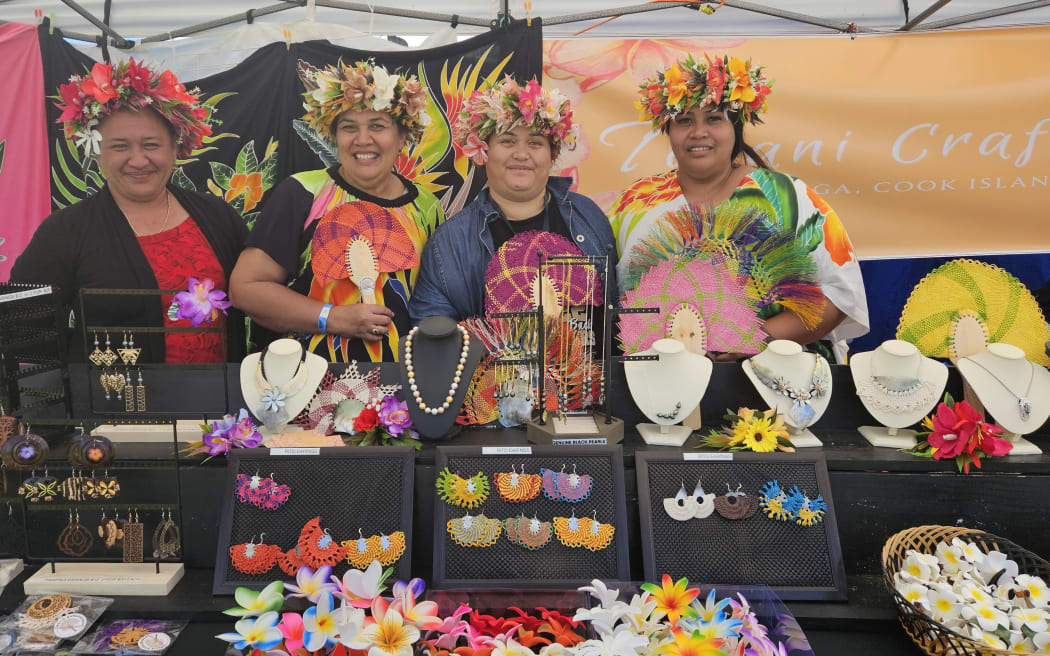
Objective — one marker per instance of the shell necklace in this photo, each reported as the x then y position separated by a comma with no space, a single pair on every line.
896,394
274,397
410,369
801,412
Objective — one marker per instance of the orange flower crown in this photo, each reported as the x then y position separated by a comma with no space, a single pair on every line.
725,83
86,99
363,87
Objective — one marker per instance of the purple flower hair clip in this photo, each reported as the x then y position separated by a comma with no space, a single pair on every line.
200,304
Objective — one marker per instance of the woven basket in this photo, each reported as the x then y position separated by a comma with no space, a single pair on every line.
930,635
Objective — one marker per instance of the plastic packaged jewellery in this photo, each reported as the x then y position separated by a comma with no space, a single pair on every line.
128,637
42,622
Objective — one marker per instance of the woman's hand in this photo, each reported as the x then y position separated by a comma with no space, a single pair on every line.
363,320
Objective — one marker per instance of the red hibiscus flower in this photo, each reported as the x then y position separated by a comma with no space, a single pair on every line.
72,104
366,421
952,429
100,84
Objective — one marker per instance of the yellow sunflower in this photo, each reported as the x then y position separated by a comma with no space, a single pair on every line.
742,427
761,437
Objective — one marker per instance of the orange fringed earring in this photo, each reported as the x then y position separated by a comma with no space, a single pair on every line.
251,558
317,548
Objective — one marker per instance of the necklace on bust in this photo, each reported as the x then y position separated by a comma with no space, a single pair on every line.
275,397
801,412
413,386
896,394
1024,406
167,215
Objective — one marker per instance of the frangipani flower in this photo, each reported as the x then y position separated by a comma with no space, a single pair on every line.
383,89
710,610
350,624
258,633
1033,618
986,638
359,588
603,594
987,616
257,603
944,605
970,551
918,567
620,642
292,629
311,584
693,644
951,559
509,648
451,628
201,303
672,599
422,615
390,636
914,593
320,624
1038,594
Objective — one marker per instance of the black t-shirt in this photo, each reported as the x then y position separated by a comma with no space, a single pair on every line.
549,220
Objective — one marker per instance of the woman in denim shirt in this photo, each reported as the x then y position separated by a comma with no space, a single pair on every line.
516,133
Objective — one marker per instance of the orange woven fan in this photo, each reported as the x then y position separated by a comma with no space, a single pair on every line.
355,223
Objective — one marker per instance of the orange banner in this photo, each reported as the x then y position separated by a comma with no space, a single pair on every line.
924,143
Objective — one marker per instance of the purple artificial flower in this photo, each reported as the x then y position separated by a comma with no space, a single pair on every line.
415,585
243,434
27,452
201,303
394,416
230,432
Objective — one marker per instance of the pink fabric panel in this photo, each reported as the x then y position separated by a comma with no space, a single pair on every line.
25,188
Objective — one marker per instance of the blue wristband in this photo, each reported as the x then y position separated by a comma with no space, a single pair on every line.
322,319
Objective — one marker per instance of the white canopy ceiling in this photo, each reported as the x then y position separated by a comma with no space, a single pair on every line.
136,19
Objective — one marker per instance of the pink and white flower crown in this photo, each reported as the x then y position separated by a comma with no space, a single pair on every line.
725,83
504,106
87,99
363,87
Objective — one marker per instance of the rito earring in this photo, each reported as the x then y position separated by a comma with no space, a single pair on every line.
75,540
252,489
531,534
476,531
96,357
463,492
705,502
736,505
251,558
133,537
140,394
278,496
583,532
290,562
559,486
682,506
517,488
391,547
808,512
360,552
775,502
317,548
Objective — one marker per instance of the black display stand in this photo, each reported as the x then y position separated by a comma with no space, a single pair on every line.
797,562
505,564
366,488
32,342
435,352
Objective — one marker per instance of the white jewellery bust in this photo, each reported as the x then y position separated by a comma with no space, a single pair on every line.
785,361
279,374
1007,384
898,386
667,389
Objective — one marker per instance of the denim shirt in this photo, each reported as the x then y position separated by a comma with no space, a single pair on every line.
451,279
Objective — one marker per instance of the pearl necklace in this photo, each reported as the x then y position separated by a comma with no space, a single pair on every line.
460,366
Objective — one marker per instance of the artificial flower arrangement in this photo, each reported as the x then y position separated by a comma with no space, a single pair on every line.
750,430
980,596
956,430
383,423
225,434
666,618
201,303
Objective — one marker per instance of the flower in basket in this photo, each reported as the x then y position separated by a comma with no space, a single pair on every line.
957,431
227,433
200,304
386,423
750,430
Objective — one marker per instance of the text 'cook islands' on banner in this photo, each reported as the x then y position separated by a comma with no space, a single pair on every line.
923,143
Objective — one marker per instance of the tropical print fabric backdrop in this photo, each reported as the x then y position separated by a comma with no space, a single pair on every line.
258,137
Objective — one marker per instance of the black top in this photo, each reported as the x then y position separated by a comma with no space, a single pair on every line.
549,220
91,245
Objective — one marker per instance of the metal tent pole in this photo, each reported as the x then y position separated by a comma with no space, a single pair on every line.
991,13
403,13
118,40
219,22
908,26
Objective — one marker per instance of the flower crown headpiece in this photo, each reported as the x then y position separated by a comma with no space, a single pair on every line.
504,106
726,83
85,100
364,87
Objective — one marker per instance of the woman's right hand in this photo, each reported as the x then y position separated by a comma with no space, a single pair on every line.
363,320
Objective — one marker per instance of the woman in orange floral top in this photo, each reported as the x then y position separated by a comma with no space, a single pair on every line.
702,108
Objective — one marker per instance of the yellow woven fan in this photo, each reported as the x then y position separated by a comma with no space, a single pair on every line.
964,304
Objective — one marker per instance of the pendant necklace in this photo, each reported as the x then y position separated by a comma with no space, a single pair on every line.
410,370
1024,406
274,397
801,413
167,215
896,394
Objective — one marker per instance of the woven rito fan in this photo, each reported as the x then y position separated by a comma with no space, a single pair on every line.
740,236
963,305
359,240
727,313
512,274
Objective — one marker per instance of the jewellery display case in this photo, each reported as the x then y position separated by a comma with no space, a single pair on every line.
742,540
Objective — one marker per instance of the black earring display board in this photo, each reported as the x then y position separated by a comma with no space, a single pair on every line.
367,488
797,562
555,566
436,348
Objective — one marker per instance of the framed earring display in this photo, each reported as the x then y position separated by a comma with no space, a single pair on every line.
773,521
335,507
529,517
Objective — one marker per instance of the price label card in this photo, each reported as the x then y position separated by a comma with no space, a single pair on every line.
296,451
506,450
708,457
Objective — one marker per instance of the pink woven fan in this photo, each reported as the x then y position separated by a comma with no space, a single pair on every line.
391,245
510,280
729,315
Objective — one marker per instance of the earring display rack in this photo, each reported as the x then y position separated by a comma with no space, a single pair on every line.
152,395
350,489
555,565
797,562
32,342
